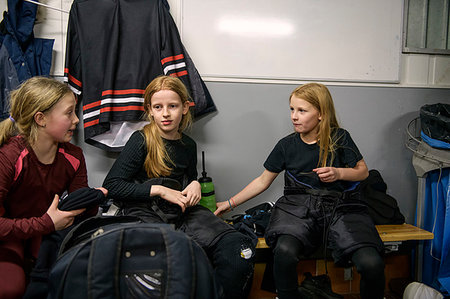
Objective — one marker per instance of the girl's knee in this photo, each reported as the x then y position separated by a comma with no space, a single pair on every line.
233,260
372,264
287,248
11,292
12,281
236,251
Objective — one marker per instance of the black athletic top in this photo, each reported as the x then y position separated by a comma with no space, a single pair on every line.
299,158
128,179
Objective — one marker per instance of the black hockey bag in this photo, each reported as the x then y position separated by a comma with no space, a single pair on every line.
121,257
383,208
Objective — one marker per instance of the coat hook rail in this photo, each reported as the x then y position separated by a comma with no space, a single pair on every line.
48,6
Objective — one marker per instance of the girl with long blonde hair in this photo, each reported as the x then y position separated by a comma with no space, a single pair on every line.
155,178
320,160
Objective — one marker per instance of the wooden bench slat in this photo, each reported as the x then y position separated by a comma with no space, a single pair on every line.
388,233
402,232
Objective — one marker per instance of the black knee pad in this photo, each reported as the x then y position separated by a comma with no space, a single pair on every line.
237,248
288,248
233,261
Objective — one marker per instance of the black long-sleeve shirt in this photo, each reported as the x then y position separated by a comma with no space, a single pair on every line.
128,180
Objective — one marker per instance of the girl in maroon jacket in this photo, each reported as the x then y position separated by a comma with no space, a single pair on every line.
37,165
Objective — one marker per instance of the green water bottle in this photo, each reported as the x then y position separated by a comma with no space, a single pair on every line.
208,199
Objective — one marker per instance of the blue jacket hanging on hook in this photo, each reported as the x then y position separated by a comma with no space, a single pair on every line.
22,56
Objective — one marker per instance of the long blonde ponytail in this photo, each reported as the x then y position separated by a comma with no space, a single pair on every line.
7,129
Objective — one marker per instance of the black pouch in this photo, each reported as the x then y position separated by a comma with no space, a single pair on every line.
81,198
256,218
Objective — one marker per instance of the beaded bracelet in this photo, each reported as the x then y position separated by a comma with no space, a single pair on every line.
231,208
235,205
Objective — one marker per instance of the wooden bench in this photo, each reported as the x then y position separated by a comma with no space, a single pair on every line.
397,263
388,233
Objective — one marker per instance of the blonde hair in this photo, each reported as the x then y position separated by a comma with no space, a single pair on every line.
157,163
319,96
37,94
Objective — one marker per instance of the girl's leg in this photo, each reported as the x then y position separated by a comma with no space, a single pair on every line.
370,265
12,274
12,280
286,257
233,264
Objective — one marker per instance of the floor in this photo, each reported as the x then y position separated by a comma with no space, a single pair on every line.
388,295
397,271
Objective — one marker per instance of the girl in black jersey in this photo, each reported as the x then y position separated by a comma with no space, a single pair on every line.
321,162
155,178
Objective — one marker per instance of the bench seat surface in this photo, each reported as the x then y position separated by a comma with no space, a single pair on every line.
388,233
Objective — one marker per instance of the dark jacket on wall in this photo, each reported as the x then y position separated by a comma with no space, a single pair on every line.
110,68
22,56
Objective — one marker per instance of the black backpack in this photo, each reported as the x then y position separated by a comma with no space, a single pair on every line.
121,257
382,207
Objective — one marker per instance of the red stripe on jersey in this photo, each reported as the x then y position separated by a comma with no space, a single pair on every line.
74,80
91,123
172,58
122,92
124,108
72,160
92,105
179,74
19,163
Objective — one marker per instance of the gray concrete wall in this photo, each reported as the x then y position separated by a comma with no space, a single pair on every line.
251,118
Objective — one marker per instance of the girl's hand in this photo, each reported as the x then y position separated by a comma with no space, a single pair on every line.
61,219
328,174
222,207
105,192
193,193
171,195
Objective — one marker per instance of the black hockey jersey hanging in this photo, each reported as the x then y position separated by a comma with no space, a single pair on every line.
114,49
